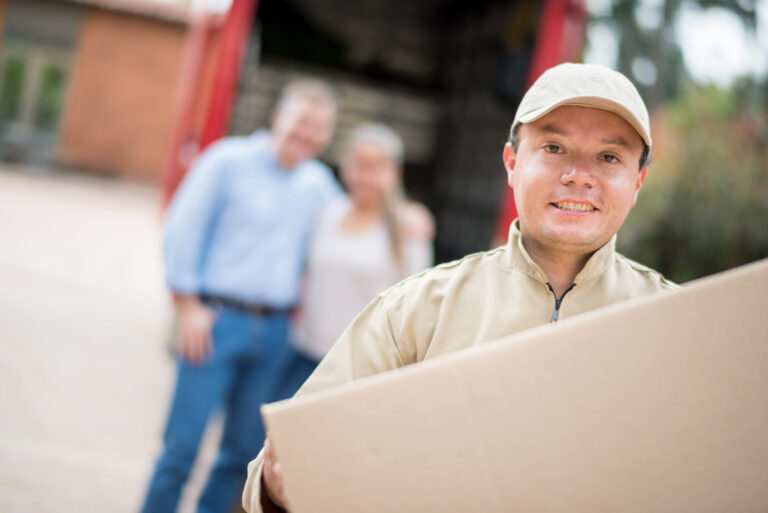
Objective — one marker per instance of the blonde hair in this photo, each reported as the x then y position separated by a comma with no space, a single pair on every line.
382,136
392,145
307,88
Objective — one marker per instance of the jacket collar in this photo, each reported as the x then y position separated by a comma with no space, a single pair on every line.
520,260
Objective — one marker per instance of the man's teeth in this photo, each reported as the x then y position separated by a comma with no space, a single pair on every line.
575,207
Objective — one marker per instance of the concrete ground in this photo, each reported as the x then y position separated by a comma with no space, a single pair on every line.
85,373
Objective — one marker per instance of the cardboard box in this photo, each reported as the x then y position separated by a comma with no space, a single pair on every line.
658,404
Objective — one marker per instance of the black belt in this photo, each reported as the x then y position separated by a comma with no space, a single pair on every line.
258,309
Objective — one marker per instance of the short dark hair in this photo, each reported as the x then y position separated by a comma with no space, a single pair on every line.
514,141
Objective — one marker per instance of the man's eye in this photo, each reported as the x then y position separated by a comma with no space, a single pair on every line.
552,148
611,159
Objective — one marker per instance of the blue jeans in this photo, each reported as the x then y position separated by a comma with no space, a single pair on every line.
253,363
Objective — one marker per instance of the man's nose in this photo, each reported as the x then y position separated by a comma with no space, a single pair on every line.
310,133
578,172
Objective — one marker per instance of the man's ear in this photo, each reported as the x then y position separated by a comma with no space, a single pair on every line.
640,181
509,156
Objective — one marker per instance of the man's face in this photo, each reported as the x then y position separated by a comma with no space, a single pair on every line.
301,129
575,177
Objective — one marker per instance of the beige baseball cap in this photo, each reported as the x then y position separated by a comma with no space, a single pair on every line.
586,85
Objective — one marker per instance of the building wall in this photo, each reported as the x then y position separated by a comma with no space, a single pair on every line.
2,17
35,61
118,115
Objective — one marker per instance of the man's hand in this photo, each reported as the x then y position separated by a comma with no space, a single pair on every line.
195,322
272,476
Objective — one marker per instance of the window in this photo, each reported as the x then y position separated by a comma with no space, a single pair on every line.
11,88
49,97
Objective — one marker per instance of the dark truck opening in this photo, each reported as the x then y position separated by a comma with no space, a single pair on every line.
446,74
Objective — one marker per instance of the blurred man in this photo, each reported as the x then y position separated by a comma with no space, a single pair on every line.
236,235
576,159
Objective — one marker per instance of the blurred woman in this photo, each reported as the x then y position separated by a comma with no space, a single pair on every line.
364,242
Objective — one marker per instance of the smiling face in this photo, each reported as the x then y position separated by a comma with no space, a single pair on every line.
575,177
301,129
369,173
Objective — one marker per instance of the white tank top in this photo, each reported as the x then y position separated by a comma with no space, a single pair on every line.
345,271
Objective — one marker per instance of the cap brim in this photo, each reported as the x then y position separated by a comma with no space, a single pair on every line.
591,101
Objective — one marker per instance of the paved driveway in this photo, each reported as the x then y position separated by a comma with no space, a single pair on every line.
85,375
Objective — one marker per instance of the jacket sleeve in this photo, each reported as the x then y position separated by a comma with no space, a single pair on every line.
367,347
255,499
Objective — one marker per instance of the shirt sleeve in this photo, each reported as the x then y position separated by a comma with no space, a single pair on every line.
417,256
190,220
367,347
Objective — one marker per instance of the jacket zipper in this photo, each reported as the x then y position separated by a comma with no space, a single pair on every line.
558,302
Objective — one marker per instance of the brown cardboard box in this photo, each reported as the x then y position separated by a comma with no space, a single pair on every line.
658,404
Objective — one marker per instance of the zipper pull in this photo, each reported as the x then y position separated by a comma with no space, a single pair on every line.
556,311
558,302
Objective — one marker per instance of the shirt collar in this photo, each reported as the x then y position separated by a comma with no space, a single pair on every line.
262,145
522,261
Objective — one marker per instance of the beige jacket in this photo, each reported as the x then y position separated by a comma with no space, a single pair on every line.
460,304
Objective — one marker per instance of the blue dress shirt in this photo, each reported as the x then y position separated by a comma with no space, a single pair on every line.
239,225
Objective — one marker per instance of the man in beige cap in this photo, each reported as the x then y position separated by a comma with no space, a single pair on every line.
576,159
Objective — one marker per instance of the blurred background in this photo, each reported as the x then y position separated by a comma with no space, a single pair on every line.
104,103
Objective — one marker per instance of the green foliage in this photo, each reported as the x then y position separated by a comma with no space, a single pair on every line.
658,43
11,83
704,207
49,97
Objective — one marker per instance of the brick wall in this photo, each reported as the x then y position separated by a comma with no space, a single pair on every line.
2,17
119,108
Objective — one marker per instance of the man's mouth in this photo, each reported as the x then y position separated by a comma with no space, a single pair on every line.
570,206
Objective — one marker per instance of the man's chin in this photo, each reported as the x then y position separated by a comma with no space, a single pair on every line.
575,241
295,158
